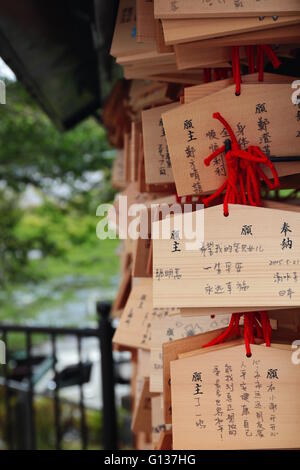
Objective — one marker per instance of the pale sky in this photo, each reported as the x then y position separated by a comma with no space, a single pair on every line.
5,71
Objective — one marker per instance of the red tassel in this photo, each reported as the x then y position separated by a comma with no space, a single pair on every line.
243,173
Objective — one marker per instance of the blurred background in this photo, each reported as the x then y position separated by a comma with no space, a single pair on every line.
55,168
50,186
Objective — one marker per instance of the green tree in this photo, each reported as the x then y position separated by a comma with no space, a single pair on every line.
13,254
33,152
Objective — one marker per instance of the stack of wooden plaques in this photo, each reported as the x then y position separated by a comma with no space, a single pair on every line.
183,61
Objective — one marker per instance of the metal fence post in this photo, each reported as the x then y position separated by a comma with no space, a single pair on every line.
108,378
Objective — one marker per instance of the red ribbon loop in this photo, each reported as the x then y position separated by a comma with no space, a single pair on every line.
244,172
256,325
261,51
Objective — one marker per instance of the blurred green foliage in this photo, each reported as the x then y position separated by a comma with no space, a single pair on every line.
63,235
33,151
61,230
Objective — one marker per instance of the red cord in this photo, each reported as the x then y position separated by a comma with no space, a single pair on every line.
217,74
248,331
233,330
271,55
236,69
266,327
261,50
189,199
221,73
242,185
206,75
178,198
260,63
256,325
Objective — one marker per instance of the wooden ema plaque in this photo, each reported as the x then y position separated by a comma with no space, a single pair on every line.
141,419
214,8
188,31
171,352
124,41
158,167
145,22
282,35
224,400
157,419
247,259
172,328
134,329
197,92
256,119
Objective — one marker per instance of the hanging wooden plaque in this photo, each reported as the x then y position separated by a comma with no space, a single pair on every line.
190,30
214,8
158,167
145,22
171,352
134,329
256,118
157,419
197,92
173,328
282,35
247,259
124,40
224,400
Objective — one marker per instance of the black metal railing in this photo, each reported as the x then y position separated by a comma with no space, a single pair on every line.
26,387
